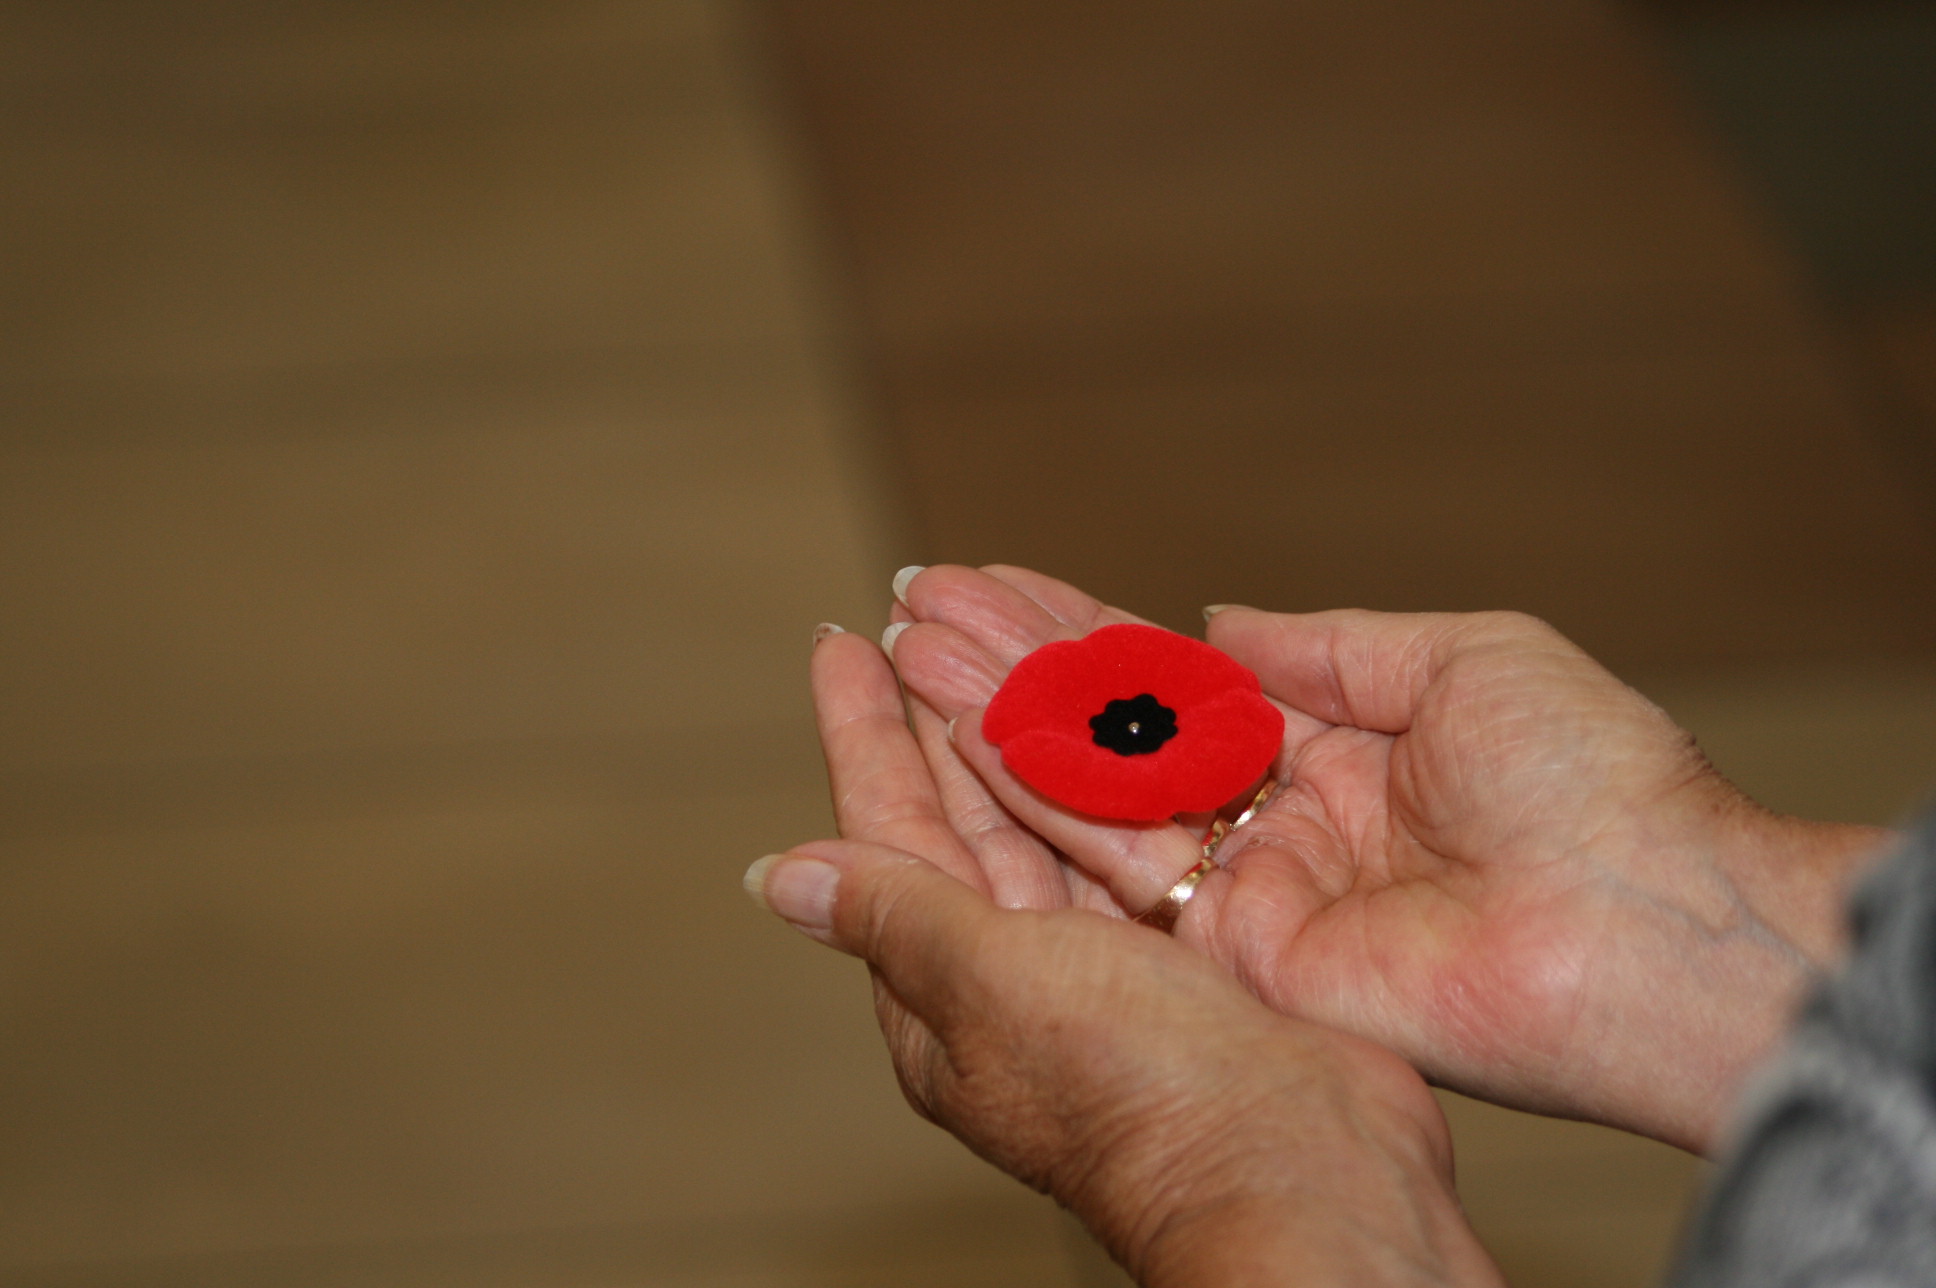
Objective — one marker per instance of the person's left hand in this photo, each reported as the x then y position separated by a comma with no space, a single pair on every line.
1203,1138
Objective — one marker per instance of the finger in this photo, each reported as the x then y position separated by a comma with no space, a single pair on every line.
999,619
1138,862
1349,667
1277,874
1076,609
949,670
1020,871
882,789
946,674
1087,891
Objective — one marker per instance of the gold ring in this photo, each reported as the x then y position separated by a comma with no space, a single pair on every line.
1220,829
1163,913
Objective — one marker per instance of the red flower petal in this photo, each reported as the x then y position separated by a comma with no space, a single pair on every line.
1227,731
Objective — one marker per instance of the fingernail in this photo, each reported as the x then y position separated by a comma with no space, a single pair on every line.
799,890
951,728
892,633
903,577
825,629
1211,610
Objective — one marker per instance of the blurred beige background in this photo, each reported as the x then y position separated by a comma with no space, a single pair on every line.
428,434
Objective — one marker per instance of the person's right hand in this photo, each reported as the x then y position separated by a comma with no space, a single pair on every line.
1489,854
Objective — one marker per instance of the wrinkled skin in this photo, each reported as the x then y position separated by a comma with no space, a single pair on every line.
1203,1138
1488,855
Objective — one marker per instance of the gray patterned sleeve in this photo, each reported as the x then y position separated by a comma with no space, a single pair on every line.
1832,1177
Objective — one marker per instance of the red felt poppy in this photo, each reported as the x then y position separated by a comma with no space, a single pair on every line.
1134,722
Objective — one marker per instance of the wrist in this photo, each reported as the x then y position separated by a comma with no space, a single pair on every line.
1406,1236
1710,979
1796,877
1340,1174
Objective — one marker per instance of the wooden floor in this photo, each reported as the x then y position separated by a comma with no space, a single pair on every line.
428,435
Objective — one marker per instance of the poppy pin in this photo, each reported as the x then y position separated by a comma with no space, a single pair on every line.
1134,722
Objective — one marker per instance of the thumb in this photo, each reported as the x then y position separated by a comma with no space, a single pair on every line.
1353,667
913,922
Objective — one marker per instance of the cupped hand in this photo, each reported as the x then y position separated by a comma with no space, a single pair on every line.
1487,853
1202,1137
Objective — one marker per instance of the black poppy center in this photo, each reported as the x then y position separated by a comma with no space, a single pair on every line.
1134,726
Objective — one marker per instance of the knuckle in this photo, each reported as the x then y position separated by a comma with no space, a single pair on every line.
1512,624
994,829
885,797
882,921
